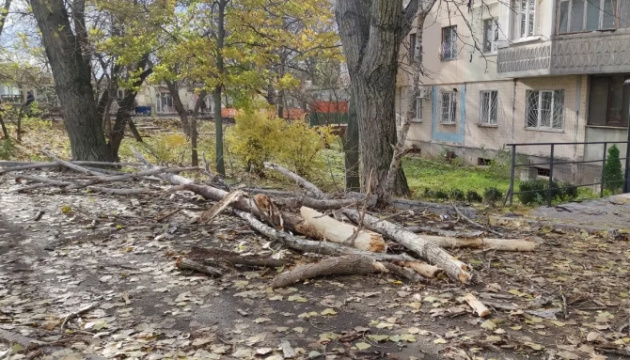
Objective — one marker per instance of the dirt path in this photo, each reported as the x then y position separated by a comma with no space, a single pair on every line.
109,251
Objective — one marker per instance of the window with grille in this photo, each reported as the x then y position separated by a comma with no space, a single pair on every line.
449,43
489,107
525,17
449,107
418,110
490,35
545,109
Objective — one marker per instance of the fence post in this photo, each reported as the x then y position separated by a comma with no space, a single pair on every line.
601,185
512,174
549,190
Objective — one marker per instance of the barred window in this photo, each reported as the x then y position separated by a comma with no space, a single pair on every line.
545,109
489,107
449,107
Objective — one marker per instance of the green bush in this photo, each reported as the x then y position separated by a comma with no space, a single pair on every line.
532,192
458,195
441,194
492,195
6,149
473,196
570,191
613,178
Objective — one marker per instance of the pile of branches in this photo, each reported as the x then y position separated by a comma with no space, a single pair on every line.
353,240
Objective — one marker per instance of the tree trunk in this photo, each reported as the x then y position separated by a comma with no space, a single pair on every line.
4,128
218,121
351,148
73,85
123,115
173,88
372,32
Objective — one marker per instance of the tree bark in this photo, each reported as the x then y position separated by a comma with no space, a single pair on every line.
72,77
173,88
351,148
218,121
372,32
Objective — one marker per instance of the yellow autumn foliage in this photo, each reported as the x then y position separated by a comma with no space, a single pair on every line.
261,136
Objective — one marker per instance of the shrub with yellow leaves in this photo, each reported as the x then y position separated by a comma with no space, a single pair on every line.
260,136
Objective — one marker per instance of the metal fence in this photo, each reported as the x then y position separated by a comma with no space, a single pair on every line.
555,161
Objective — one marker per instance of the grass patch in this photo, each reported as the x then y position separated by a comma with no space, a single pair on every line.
427,173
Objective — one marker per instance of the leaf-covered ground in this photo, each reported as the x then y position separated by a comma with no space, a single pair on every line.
566,300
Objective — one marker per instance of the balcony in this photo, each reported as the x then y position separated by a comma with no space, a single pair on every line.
597,52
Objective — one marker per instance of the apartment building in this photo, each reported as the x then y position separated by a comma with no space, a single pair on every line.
519,72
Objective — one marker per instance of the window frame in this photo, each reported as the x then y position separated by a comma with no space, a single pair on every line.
412,47
556,94
487,120
453,53
529,15
601,19
452,108
417,116
494,30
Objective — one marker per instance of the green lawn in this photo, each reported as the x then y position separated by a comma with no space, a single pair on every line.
438,175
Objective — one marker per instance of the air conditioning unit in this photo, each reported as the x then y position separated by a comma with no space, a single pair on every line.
424,92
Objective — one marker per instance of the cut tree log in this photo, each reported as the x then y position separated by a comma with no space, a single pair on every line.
312,246
482,243
426,270
477,305
403,273
444,232
216,209
343,265
298,179
319,204
342,233
428,251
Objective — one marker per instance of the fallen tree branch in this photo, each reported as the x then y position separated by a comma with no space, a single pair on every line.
298,179
481,243
343,265
187,264
442,232
232,258
319,204
428,251
71,165
403,273
10,166
317,247
216,209
487,228
338,232
75,314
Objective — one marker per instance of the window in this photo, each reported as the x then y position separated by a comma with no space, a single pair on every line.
545,109
490,35
489,107
525,17
609,101
120,94
590,15
412,47
449,43
418,110
164,102
449,107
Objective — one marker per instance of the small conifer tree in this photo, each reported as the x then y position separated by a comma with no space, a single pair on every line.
613,177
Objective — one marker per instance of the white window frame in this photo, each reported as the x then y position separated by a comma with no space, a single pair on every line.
555,110
494,32
488,101
448,117
527,17
449,33
600,22
418,107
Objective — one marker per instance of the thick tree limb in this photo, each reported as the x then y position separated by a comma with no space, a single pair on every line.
478,306
424,269
298,179
317,247
442,232
428,251
344,265
401,272
343,233
482,243
71,165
